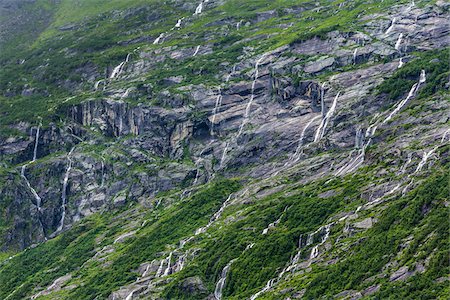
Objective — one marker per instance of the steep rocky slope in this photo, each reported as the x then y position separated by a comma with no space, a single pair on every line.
224,149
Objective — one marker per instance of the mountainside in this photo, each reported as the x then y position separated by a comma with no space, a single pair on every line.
224,149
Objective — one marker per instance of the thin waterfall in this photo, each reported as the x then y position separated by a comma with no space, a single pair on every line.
196,50
293,262
118,70
398,43
425,157
353,164
315,250
216,109
33,191
322,101
233,70
199,9
252,97
302,137
224,154
178,24
215,217
158,39
64,191
239,24
130,296
159,272
97,84
323,125
391,27
222,280
36,143
103,172
168,268
400,63
274,224
355,53
411,94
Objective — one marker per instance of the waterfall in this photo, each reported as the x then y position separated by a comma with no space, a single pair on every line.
224,154
399,42
64,191
323,125
315,249
221,283
36,143
97,84
354,56
215,110
272,225
130,296
238,24
199,9
391,26
33,191
293,262
196,50
167,270
180,263
370,132
322,101
118,70
400,63
103,173
411,94
178,25
215,217
269,285
227,79
425,157
159,272
252,97
302,137
444,136
158,39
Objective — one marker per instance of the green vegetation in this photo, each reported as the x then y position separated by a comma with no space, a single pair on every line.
436,66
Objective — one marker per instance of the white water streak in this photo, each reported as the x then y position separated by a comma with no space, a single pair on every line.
323,125
196,50
64,191
158,39
222,280
252,97
398,43
391,27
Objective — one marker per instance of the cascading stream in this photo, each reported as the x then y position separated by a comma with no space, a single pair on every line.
222,280
158,39
36,196
353,164
398,43
216,109
252,97
36,143
391,27
64,191
118,70
298,152
196,50
323,125
293,262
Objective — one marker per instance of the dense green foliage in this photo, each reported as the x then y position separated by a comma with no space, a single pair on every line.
436,65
